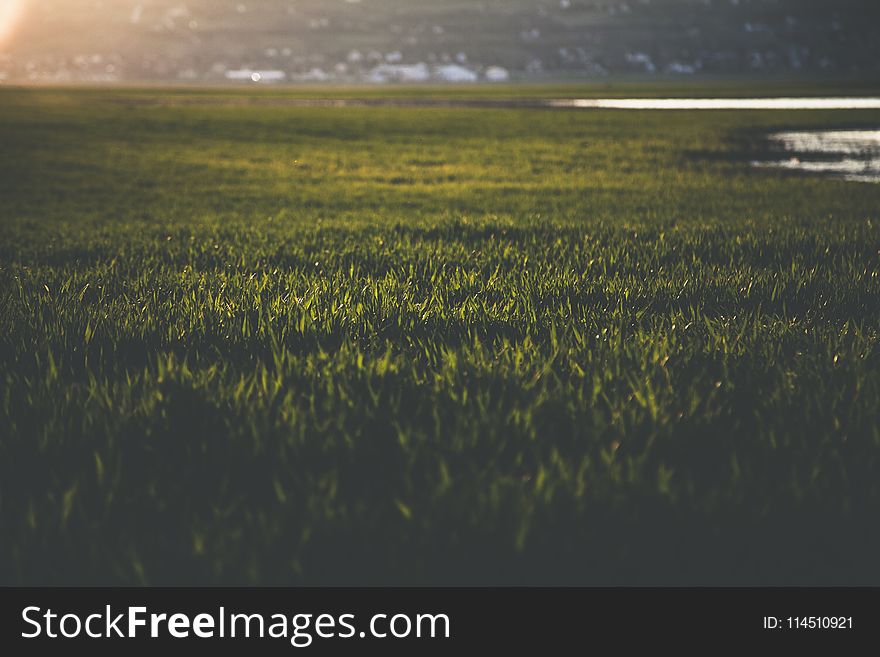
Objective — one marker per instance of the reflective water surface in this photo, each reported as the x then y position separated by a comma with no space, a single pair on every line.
719,103
850,154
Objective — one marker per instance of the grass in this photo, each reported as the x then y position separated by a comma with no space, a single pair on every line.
274,345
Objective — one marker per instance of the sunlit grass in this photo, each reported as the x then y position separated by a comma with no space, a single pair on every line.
278,345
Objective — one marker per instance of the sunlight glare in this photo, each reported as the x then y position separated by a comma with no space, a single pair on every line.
10,12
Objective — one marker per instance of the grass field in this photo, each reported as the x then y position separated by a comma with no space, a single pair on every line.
273,345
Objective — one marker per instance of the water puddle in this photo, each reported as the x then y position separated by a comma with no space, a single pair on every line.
837,103
849,154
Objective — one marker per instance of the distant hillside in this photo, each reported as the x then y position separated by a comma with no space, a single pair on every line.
419,40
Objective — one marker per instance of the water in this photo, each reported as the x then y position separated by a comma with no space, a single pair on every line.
850,154
838,103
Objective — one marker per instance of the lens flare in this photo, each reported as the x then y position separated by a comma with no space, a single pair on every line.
10,12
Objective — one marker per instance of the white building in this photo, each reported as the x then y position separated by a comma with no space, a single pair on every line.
399,73
496,74
680,68
455,73
643,59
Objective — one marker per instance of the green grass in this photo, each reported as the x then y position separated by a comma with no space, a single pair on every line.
275,345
